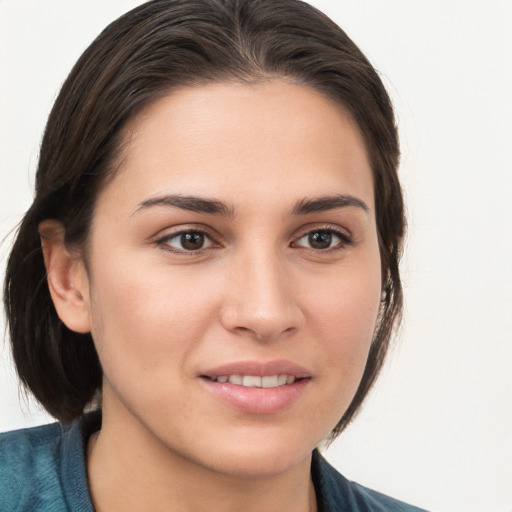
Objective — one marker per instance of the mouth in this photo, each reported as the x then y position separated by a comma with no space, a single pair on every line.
255,381
258,387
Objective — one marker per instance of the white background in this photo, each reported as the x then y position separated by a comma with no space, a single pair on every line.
437,430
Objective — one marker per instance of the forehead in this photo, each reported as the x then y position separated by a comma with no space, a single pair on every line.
227,138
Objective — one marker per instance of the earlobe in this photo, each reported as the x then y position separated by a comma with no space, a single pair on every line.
67,278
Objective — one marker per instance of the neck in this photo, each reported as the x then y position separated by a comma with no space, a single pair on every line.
128,470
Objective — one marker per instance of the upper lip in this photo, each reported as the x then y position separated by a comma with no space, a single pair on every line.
259,368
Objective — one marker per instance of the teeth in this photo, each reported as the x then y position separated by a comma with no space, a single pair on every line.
235,379
270,382
254,381
249,381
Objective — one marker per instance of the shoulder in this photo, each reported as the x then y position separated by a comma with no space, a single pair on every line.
28,461
335,492
43,468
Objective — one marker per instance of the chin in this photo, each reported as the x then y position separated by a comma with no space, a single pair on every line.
261,465
258,456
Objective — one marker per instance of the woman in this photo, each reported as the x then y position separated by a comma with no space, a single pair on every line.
210,265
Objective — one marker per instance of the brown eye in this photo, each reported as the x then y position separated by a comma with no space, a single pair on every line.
188,241
192,241
322,239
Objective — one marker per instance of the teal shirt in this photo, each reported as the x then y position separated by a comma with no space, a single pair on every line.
42,469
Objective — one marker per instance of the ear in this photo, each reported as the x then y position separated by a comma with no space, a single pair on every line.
67,278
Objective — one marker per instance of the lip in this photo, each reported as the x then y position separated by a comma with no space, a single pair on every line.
259,368
254,400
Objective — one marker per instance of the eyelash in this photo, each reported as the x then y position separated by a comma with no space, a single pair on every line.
164,241
345,240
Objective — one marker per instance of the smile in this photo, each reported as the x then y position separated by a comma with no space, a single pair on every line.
255,381
258,387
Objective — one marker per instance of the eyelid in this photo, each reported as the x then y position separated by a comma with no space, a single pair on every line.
163,236
345,236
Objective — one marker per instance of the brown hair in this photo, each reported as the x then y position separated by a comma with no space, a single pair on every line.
145,54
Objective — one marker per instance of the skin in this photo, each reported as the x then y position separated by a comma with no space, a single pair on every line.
161,316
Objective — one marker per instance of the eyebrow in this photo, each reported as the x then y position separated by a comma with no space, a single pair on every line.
215,207
325,203
191,203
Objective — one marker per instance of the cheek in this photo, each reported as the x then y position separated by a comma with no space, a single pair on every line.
141,317
150,320
348,301
348,334
344,313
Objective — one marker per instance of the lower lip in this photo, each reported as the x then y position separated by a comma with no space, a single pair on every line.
257,400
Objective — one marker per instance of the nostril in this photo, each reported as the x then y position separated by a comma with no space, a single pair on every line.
262,320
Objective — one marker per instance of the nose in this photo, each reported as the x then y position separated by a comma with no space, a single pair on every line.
261,301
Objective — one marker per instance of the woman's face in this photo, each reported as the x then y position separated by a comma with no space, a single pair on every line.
235,248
